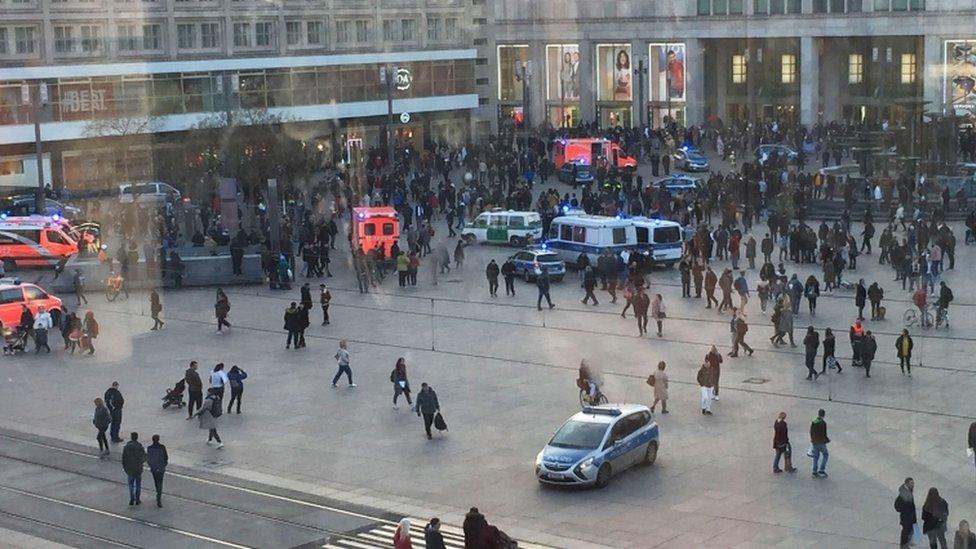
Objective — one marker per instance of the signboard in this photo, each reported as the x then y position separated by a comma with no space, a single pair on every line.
404,117
613,72
79,101
403,79
959,77
667,72
562,72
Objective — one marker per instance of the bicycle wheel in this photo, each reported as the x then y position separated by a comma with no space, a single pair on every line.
111,295
911,317
601,399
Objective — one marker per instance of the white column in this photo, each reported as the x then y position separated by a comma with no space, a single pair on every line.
587,77
537,83
809,80
695,80
932,74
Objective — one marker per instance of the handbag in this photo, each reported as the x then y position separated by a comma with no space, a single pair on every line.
651,380
439,422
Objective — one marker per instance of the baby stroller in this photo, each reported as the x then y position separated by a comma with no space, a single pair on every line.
174,396
15,341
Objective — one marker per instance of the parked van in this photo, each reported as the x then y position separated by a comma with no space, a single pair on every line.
592,234
150,192
504,227
661,240
33,241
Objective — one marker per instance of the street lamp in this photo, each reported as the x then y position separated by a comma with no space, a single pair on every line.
523,73
36,100
639,73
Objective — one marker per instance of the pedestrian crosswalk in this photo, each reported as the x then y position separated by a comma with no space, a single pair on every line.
382,536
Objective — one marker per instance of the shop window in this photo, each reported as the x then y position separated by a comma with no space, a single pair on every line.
836,6
794,6
882,5
899,5
854,6
739,69
855,68
908,68
819,6
788,69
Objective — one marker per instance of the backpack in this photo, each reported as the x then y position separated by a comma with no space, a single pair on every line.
393,375
216,408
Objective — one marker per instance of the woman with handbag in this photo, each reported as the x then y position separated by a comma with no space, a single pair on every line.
400,384
658,311
659,380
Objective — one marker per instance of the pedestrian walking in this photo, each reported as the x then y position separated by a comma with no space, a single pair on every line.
71,331
89,332
209,416
342,359
221,310
818,444
705,387
402,266
684,267
829,346
433,539
965,538
659,380
811,344
860,298
589,284
903,347
714,360
741,287
811,290
155,307
101,420
427,406
292,325
114,403
641,302
492,271
42,323
401,386
659,312
305,293
875,295
935,517
781,444
907,515
133,457
157,458
868,347
78,281
542,283
325,299
194,388
711,280
459,254
235,378
401,536
725,283
508,271
219,380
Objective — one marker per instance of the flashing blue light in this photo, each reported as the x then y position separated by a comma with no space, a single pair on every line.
56,217
362,215
545,246
3,216
619,217
566,209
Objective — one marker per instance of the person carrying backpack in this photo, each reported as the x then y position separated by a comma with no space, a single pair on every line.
209,415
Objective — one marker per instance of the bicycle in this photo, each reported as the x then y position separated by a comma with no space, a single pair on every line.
913,316
941,317
585,400
113,288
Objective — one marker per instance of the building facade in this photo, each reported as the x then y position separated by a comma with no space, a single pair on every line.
92,72
630,61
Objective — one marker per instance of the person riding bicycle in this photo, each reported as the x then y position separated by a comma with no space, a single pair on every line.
920,299
942,305
588,382
115,284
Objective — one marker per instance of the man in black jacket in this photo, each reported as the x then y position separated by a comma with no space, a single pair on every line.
133,456
157,458
491,271
433,539
508,271
194,388
868,348
114,403
427,406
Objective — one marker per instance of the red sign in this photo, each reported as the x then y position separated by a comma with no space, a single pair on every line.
79,101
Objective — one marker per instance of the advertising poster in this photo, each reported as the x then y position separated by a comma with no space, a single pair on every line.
510,57
960,76
614,72
667,72
562,72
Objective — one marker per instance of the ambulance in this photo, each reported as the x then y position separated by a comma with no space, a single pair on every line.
35,241
590,151
376,226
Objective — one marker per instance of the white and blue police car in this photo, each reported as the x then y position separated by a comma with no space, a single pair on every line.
597,443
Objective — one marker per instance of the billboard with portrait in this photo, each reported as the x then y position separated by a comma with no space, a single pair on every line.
613,72
960,77
510,57
666,74
562,72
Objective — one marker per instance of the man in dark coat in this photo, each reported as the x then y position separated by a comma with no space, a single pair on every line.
868,348
508,271
114,403
427,406
641,302
433,539
157,458
133,456
194,387
907,515
492,271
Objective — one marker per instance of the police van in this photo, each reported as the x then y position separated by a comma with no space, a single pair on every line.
570,235
504,227
659,239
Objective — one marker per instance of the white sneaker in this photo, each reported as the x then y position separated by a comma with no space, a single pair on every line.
209,443
352,384
221,445
715,397
395,407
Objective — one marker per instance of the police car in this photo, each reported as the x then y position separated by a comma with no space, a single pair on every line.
597,443
690,159
576,173
677,183
530,261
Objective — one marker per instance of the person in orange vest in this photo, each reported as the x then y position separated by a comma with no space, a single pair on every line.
857,338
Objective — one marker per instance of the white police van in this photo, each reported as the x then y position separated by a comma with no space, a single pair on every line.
570,235
597,443
660,239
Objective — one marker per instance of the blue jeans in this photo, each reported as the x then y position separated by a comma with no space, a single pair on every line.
343,369
820,450
784,449
116,424
135,487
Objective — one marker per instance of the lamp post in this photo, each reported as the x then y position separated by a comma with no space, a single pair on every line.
639,73
523,73
36,98
387,78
